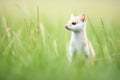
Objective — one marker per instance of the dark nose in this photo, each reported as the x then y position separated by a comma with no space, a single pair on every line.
66,27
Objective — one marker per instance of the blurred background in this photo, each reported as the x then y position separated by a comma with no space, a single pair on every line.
33,40
99,8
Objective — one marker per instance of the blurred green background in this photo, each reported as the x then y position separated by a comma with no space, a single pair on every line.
33,40
99,8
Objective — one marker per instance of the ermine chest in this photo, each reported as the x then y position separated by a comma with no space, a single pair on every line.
77,45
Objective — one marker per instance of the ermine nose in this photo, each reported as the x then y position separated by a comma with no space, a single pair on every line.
66,27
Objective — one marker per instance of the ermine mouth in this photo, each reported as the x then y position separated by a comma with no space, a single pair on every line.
67,28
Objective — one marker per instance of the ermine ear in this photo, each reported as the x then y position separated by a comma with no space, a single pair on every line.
83,17
72,16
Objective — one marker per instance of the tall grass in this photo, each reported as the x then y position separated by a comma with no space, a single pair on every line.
34,48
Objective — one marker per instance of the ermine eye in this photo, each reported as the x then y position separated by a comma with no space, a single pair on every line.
73,23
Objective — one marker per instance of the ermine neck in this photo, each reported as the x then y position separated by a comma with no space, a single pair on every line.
81,35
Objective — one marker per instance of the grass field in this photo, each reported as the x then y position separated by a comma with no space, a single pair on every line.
33,40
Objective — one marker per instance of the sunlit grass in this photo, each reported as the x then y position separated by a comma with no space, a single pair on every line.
33,45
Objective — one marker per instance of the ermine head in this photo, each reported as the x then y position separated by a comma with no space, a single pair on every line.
76,23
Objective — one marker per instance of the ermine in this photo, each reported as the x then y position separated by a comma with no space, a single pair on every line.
79,41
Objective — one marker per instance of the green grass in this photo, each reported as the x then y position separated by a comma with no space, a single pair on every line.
33,45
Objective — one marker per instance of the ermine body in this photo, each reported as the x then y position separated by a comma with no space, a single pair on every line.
79,41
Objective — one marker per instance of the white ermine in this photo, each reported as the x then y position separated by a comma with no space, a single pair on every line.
79,41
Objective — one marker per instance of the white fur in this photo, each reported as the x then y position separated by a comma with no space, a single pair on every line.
79,41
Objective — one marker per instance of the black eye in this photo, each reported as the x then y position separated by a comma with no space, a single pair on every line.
73,23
